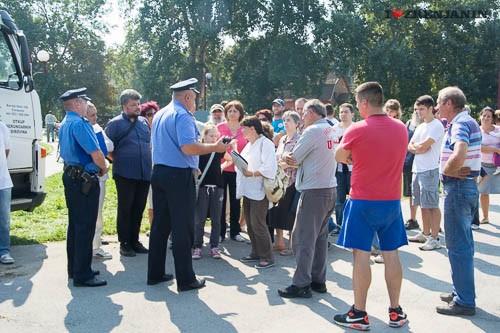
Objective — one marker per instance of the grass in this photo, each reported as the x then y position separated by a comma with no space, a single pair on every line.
48,222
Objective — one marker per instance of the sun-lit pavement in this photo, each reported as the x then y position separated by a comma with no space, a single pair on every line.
35,295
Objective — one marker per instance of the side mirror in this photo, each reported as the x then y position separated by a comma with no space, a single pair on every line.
25,54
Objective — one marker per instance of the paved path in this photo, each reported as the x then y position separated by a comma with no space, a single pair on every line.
35,295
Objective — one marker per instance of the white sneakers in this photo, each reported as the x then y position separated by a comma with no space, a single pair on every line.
430,244
238,238
101,254
418,238
6,259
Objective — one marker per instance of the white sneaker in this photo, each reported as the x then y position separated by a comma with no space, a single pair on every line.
475,226
238,238
419,238
6,259
101,254
431,244
379,259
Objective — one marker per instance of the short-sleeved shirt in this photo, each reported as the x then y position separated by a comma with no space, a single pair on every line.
5,181
241,142
286,145
491,139
173,127
430,159
462,128
132,152
378,148
78,140
278,126
50,119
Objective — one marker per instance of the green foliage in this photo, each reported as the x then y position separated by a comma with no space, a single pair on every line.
49,221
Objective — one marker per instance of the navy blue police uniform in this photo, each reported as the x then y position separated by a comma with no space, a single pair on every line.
81,189
174,193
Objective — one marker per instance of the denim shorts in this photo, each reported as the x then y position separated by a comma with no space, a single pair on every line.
425,189
364,218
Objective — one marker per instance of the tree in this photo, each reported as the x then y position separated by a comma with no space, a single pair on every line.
68,31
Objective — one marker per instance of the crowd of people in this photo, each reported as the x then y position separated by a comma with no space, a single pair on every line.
353,170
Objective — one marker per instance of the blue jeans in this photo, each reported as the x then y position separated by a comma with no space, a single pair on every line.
343,188
460,202
5,196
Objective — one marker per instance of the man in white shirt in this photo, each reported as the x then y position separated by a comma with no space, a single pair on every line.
5,197
426,145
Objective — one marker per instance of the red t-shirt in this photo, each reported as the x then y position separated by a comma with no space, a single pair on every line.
378,148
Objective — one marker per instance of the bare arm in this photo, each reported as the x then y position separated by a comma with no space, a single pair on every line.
100,161
198,148
343,156
453,166
489,150
420,147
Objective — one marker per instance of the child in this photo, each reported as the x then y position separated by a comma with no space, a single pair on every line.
210,196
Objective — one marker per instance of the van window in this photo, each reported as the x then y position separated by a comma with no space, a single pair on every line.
8,74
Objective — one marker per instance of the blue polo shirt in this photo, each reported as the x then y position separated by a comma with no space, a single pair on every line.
173,127
132,152
77,141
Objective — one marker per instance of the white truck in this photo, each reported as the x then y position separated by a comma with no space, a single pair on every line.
20,111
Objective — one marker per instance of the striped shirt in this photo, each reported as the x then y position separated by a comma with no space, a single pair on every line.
462,128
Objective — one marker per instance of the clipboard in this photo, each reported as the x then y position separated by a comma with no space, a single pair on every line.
239,161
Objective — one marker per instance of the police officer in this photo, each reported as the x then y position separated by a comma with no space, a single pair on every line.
83,162
175,157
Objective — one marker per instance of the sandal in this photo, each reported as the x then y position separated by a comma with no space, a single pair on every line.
264,264
286,252
249,259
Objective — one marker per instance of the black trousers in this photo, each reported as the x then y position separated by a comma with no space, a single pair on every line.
132,196
82,215
234,206
174,198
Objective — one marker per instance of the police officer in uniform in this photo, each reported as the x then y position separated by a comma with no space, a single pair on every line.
175,157
83,162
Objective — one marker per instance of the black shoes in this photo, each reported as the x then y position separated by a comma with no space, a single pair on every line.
294,291
94,272
447,297
411,224
197,284
164,278
94,282
127,250
355,319
139,248
318,287
455,309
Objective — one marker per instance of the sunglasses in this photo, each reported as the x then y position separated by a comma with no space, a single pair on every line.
149,114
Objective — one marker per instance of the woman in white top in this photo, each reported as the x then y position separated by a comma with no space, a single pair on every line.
261,159
490,144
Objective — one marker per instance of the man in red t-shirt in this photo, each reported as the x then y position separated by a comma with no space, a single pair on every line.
377,146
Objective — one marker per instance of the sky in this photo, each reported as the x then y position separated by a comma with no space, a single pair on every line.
116,35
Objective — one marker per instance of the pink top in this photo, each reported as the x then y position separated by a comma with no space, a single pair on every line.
491,139
378,147
224,130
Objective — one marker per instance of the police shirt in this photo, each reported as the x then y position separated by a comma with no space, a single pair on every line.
174,126
78,141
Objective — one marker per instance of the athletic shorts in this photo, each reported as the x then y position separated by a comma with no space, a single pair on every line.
425,189
363,218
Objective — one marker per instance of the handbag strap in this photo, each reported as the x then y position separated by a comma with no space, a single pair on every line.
206,168
124,134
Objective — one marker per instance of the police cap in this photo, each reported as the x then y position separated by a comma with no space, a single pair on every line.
75,93
189,84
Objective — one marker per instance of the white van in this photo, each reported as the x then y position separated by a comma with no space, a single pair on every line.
20,111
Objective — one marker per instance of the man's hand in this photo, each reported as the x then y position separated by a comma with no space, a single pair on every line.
289,159
221,147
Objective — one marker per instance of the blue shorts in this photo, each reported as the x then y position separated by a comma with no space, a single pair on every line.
364,218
